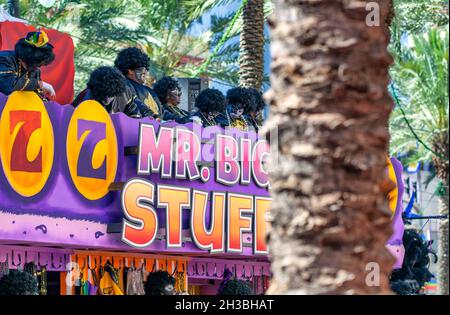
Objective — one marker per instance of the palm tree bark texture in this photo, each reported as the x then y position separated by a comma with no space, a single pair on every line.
441,164
330,106
251,54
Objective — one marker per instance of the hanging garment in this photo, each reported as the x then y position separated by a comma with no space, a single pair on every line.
179,282
135,281
87,288
42,277
109,283
120,276
4,268
94,289
194,290
108,286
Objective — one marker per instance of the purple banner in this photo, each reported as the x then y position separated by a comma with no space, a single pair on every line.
58,213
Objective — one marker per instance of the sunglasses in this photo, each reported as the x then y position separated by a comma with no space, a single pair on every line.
176,93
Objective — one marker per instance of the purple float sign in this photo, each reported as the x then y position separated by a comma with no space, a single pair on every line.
395,242
60,215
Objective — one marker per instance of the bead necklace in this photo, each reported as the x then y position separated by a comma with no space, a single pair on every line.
176,110
208,121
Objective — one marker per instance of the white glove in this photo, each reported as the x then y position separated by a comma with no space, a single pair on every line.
48,88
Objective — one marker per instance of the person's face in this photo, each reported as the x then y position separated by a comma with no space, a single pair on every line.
139,75
174,97
29,68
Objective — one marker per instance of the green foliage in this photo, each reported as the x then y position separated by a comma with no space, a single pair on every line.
416,16
420,87
225,31
419,45
18,283
98,28
160,27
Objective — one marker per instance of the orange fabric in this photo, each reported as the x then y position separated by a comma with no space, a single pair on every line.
62,281
162,264
116,261
149,265
60,74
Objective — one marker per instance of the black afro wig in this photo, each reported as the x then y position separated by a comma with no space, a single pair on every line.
415,268
235,287
163,86
157,281
18,283
211,100
34,57
241,98
130,59
258,100
106,82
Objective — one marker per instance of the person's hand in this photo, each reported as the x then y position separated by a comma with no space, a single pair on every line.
48,88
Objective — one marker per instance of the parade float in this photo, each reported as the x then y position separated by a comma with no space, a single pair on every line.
70,182
81,189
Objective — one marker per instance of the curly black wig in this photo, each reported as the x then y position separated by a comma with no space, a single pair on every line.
258,100
32,56
106,82
211,100
235,287
415,263
163,86
241,98
157,281
18,283
130,59
405,287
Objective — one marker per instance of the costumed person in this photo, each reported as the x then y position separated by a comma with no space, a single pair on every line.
107,86
20,69
255,113
395,201
210,103
134,65
414,273
231,286
169,94
239,102
159,283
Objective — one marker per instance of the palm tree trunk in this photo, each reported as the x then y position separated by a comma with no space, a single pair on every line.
443,247
442,164
251,56
330,106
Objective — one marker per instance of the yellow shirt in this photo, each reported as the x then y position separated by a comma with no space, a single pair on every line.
108,286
